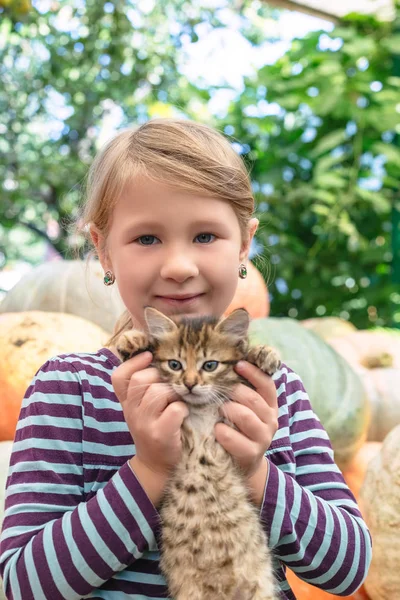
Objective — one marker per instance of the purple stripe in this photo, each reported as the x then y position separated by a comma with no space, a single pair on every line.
105,415
109,438
106,532
50,432
121,510
346,565
35,499
42,569
56,386
86,548
71,574
47,455
53,410
26,590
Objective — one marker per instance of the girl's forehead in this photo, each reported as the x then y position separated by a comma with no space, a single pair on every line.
144,201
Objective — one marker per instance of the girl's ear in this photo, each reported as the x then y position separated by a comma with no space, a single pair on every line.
251,229
99,243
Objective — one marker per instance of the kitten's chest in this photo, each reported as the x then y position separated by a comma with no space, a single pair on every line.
200,423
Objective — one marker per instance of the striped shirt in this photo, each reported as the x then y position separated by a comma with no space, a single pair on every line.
78,524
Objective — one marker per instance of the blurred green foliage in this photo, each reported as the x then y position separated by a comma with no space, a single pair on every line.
319,130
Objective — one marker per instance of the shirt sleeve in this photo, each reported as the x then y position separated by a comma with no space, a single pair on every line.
53,544
312,519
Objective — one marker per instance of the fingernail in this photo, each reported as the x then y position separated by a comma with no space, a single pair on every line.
241,365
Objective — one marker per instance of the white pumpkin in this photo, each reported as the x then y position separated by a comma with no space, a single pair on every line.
380,503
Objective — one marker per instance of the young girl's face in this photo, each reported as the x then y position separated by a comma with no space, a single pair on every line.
172,250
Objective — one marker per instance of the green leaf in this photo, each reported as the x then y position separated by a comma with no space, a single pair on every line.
377,200
391,152
330,180
320,209
329,141
324,196
392,43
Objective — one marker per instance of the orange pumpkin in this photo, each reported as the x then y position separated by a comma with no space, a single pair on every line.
355,471
305,591
27,340
251,294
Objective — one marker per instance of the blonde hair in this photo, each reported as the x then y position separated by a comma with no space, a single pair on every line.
185,154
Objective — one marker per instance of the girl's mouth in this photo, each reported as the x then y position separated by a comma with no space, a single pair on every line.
176,301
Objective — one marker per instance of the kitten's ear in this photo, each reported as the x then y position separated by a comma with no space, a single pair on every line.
236,324
157,323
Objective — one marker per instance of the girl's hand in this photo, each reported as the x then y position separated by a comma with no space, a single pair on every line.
255,414
153,413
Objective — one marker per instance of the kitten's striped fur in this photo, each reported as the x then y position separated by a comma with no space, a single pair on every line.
213,544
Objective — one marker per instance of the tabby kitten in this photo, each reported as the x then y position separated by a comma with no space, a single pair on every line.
213,545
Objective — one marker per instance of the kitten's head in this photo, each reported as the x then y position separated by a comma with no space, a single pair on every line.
197,356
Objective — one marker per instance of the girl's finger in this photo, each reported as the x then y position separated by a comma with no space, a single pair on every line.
263,383
234,442
244,395
121,376
156,399
173,416
248,423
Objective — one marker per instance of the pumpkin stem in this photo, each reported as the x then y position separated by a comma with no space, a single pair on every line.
378,361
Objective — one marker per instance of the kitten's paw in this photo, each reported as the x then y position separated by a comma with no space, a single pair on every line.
265,357
130,343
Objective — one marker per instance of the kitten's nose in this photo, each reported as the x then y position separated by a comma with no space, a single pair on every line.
189,386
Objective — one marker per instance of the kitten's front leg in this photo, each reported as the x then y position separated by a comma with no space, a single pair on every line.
264,357
130,343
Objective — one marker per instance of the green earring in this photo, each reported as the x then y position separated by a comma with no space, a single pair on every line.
242,271
109,278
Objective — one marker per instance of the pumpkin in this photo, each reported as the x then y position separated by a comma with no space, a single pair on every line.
27,340
77,287
251,294
327,327
5,454
375,355
354,473
335,390
380,498
67,286
305,591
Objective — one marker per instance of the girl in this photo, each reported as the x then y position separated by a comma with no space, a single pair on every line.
169,209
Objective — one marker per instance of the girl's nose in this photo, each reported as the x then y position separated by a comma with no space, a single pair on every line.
179,267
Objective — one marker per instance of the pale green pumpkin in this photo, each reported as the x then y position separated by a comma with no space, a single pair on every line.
336,392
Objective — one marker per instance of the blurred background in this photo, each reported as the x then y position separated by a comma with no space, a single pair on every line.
309,97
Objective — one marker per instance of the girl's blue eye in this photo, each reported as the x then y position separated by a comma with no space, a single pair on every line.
210,365
175,365
204,238
146,240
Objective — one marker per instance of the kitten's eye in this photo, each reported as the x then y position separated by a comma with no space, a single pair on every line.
175,365
210,365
